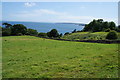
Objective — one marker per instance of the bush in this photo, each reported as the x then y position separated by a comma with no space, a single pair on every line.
32,32
19,34
6,31
53,33
107,30
112,35
66,33
43,35
18,28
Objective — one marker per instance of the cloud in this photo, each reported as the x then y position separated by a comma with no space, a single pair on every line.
37,13
45,15
29,4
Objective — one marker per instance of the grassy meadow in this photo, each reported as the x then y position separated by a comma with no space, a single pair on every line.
88,36
33,57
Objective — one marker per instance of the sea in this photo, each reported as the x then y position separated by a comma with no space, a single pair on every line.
46,26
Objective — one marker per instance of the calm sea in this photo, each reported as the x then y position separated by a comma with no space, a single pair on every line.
46,27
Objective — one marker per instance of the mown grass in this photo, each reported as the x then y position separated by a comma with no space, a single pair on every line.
88,36
32,57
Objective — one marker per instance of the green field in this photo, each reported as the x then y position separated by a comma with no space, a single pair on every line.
88,36
33,57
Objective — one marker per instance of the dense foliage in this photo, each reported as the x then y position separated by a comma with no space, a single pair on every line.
99,25
6,31
112,35
42,35
32,32
18,29
53,33
66,33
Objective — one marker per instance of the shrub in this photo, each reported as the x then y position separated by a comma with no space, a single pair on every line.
18,28
66,33
53,33
107,30
61,35
42,35
32,32
112,35
19,34
74,31
6,31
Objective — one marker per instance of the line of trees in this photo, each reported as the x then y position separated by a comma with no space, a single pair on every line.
100,25
20,29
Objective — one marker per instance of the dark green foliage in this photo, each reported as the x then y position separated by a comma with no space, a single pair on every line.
74,31
19,34
99,25
61,35
0,31
18,28
6,31
32,32
7,25
112,35
119,27
105,25
53,33
43,35
112,25
107,30
66,33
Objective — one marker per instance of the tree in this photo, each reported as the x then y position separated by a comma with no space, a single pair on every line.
99,25
43,35
53,33
100,20
74,31
6,31
112,25
66,33
61,35
32,32
105,25
18,28
112,35
7,25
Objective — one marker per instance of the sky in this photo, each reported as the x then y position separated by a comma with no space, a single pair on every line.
78,12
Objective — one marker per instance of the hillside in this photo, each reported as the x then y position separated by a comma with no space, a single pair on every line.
33,57
87,36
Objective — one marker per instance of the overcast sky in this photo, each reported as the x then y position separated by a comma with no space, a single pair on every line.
80,12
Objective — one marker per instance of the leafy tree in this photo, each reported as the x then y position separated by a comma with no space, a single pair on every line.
74,31
66,33
99,25
105,25
112,25
7,25
6,31
112,35
32,32
18,28
53,33
43,35
100,20
61,35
